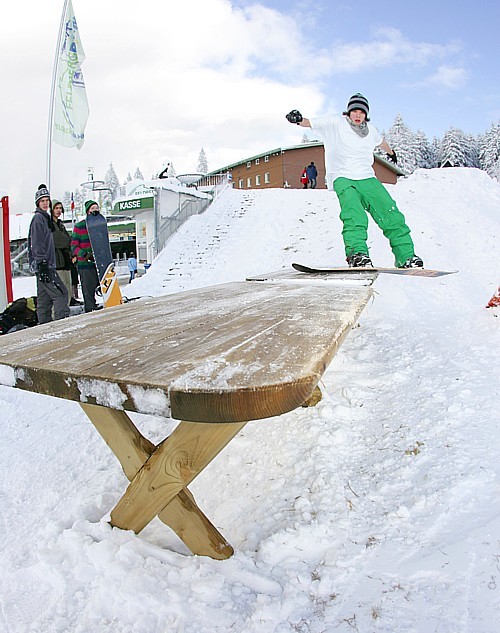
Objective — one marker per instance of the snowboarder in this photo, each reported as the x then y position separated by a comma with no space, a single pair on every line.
349,143
51,292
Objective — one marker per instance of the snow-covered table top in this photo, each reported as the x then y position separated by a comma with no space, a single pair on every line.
218,356
227,353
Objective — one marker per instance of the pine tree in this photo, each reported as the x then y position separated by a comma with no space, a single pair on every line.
426,157
171,171
113,184
66,200
404,142
489,150
471,151
202,167
305,139
453,149
79,198
138,174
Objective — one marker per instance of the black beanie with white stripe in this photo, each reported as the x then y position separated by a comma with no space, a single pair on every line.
358,102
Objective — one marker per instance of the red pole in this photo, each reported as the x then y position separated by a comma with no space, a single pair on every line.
6,249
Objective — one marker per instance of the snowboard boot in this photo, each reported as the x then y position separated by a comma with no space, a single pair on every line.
359,260
413,262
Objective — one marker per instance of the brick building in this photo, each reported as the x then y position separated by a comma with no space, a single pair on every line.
283,166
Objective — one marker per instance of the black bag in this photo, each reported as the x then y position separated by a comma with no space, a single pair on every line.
18,315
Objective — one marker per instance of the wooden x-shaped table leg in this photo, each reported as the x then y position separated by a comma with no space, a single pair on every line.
159,476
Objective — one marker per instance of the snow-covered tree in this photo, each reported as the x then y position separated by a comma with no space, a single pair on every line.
404,142
471,150
113,184
305,138
202,167
171,171
138,174
426,155
453,149
489,150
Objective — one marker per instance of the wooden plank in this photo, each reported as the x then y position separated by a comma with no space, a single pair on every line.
226,353
182,513
174,464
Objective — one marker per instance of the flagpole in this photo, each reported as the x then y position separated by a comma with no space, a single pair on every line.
52,95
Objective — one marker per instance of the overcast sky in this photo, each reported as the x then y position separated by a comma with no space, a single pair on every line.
165,78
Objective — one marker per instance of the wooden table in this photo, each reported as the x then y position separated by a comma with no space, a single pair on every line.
213,358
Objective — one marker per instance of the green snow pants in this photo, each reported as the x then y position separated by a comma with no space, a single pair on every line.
357,197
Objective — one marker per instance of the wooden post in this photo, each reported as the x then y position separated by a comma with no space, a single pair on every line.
182,514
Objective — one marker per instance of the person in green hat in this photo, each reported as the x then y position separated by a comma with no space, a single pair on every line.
81,248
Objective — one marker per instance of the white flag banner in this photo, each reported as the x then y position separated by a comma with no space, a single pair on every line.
71,108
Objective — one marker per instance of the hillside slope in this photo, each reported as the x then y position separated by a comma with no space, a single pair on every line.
376,511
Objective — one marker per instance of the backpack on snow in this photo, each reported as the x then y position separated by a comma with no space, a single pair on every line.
18,315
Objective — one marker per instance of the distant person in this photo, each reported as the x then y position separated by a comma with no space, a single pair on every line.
62,243
349,143
82,249
75,299
52,295
312,174
304,179
132,267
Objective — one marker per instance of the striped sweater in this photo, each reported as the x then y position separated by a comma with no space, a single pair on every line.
80,245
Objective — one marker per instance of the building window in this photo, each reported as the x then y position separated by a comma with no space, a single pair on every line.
257,180
266,159
267,179
257,161
249,164
249,183
240,183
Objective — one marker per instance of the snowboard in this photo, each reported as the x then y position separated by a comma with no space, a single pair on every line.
97,227
411,272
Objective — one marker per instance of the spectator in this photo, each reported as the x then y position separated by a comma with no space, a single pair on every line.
312,174
304,179
51,291
132,267
75,300
82,250
62,242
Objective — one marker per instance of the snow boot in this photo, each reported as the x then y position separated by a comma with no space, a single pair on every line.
359,260
413,262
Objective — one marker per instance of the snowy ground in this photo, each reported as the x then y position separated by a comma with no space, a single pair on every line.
376,511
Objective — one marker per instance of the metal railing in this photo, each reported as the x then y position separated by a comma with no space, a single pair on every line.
215,185
19,260
170,225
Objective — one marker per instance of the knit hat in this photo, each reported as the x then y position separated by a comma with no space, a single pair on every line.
54,202
41,192
358,102
88,204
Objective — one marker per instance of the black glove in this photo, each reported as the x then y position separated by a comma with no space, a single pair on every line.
43,272
89,257
393,156
294,116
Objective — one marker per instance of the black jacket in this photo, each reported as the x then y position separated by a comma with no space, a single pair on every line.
62,241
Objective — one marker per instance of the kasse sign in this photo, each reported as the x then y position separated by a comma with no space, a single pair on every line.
137,203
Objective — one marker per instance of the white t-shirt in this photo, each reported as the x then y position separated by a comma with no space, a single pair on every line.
346,153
